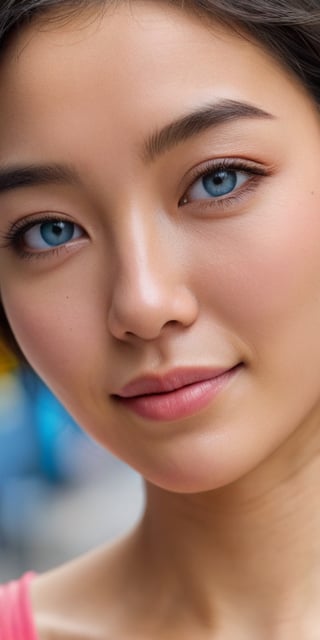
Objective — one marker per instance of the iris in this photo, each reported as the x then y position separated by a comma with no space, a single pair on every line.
57,232
220,183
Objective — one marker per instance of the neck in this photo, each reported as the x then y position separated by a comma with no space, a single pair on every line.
248,549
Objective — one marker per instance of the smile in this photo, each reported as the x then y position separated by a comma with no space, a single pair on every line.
180,394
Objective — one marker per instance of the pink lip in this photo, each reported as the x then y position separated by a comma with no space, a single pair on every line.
180,393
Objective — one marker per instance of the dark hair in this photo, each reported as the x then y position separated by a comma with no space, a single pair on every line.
289,29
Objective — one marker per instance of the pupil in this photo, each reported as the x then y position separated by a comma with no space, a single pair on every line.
57,228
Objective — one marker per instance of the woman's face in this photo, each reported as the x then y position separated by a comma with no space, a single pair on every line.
177,234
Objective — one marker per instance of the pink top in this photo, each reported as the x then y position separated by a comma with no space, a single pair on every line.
16,620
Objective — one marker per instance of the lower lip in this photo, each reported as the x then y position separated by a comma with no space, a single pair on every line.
179,403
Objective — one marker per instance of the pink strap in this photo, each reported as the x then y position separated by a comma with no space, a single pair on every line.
16,620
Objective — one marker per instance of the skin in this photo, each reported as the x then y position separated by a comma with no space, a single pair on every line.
227,543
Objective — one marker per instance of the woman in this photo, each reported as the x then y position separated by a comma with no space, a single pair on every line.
160,270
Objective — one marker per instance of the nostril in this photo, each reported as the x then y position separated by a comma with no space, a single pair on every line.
172,323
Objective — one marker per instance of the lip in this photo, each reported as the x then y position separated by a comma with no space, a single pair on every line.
178,394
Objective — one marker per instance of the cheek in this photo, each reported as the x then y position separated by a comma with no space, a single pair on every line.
54,331
261,273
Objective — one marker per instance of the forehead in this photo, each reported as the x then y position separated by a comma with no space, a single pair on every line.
136,41
136,64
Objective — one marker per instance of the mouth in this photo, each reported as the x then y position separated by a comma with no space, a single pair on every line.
179,394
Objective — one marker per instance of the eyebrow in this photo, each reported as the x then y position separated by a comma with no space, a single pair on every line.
18,177
160,141
199,120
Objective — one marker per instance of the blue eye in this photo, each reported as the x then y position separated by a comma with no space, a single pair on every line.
50,234
220,183
217,183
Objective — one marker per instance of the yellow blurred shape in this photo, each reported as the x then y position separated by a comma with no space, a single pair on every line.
8,362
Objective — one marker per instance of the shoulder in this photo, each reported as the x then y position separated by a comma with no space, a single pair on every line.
79,600
61,601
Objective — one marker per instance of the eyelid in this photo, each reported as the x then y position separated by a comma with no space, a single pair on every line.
27,222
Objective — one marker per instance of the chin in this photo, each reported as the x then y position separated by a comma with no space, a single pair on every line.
195,478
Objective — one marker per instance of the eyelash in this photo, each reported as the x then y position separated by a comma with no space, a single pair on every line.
13,238
255,173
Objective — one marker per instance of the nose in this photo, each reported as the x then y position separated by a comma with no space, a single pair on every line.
149,291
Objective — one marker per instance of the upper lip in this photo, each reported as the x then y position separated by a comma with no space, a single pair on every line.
174,379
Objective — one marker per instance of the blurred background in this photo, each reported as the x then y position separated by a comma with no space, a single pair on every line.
60,493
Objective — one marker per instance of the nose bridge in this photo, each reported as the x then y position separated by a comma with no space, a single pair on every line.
139,246
147,289
142,254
